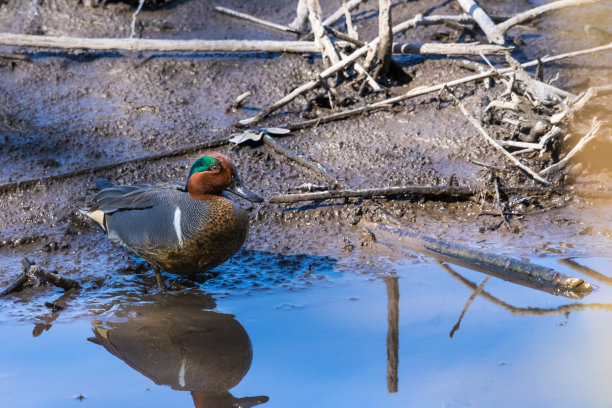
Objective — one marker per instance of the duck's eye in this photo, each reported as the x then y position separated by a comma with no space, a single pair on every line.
214,167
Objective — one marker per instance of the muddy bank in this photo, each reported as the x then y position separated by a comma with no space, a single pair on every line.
62,112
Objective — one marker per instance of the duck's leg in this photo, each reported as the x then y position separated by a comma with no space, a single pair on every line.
160,280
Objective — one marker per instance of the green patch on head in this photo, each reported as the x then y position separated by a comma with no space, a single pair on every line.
203,164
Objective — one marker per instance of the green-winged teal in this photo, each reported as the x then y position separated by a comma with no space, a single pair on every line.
183,229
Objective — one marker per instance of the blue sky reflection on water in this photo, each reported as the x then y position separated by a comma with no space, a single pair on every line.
326,346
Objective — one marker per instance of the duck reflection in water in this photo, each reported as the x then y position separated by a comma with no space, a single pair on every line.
175,341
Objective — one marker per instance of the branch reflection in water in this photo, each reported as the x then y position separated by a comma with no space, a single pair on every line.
176,340
526,311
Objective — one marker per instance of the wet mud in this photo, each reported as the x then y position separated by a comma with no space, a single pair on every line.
62,112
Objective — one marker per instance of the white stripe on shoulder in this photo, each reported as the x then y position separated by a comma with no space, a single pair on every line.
177,225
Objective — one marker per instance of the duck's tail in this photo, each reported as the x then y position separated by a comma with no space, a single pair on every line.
102,183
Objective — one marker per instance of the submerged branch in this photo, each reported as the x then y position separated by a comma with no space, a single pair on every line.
510,269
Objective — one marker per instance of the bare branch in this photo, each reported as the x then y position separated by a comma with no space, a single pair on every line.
450,49
248,17
133,26
435,88
425,191
385,34
327,48
484,21
535,12
496,145
595,125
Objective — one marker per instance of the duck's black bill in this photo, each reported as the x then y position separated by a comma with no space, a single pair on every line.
241,191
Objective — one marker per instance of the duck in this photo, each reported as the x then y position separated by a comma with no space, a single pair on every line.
186,229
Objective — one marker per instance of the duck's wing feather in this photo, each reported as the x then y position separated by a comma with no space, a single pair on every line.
133,197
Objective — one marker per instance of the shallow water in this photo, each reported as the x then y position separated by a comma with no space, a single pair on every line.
326,346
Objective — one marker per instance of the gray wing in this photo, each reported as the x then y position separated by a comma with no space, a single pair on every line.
146,218
134,197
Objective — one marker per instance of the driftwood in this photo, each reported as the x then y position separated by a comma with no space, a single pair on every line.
435,88
231,46
15,285
134,16
424,191
400,28
328,50
496,145
450,49
252,19
385,33
506,268
520,18
484,21
495,33
34,273
581,144
126,44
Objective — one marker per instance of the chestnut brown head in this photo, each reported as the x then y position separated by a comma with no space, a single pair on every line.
212,174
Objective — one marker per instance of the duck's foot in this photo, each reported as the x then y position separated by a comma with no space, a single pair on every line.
177,286
160,281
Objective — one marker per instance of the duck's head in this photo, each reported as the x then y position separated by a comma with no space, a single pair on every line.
211,174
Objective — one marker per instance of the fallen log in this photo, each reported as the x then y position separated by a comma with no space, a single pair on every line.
503,267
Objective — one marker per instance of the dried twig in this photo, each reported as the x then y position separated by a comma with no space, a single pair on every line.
425,191
248,17
15,285
385,33
133,26
321,39
34,271
496,145
535,12
502,209
239,101
595,125
450,49
581,100
298,158
43,41
435,88
350,30
338,14
406,25
484,21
